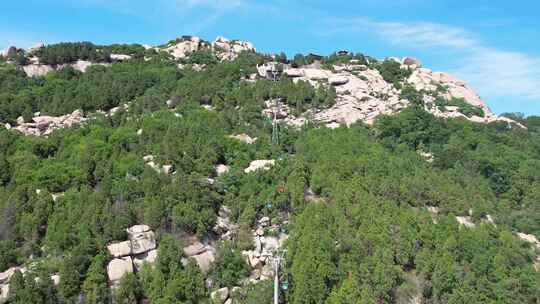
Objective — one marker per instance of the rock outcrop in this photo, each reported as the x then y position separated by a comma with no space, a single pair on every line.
363,94
223,48
5,277
203,254
45,125
185,46
36,69
267,240
224,227
130,255
226,49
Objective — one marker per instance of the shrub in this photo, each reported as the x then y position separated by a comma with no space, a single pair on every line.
465,108
229,267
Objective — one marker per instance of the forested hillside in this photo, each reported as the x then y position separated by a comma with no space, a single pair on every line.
413,208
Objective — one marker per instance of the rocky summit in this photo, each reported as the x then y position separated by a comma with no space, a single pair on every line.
362,92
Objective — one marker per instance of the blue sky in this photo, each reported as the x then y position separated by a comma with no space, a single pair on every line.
493,45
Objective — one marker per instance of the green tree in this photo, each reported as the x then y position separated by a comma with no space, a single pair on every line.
128,291
70,280
229,267
95,287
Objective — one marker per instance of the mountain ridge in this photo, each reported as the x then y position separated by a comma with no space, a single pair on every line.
362,92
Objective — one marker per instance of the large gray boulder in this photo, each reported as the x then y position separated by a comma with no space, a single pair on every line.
220,296
194,249
204,260
142,242
140,228
120,249
221,169
118,267
149,257
263,164
338,80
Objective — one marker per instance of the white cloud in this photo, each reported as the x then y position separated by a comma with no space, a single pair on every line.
492,72
501,73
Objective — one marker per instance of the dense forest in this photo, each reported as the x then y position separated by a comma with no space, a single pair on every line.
363,235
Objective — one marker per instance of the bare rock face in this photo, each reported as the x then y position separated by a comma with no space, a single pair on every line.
427,80
118,267
32,70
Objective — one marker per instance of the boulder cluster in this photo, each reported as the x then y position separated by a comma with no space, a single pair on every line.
267,240
204,251
223,48
5,277
150,161
45,125
129,256
224,295
363,94
37,69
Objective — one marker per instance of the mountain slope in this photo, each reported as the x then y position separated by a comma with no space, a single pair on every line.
159,175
